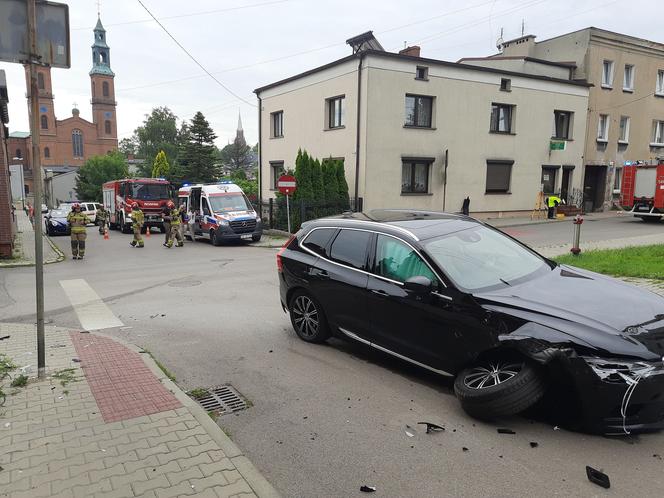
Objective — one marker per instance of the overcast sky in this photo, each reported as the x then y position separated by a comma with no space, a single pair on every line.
249,43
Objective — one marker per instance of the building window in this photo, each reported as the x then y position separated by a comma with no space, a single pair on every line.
19,154
501,118
415,176
277,119
105,89
40,81
617,181
77,143
276,170
335,112
107,127
498,176
628,78
47,152
658,134
562,125
603,128
44,122
418,111
548,180
659,88
607,74
506,84
624,130
421,73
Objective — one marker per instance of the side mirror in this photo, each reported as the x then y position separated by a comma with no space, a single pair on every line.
418,285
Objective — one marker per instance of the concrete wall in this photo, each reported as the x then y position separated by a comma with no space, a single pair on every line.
61,187
7,223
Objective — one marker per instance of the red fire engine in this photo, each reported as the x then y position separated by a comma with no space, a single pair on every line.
151,194
642,190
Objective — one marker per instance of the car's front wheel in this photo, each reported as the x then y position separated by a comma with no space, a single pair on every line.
308,318
497,388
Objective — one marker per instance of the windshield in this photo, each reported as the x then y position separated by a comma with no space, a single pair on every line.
229,202
64,207
59,213
149,191
478,259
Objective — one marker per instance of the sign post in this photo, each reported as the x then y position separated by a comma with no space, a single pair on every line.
287,185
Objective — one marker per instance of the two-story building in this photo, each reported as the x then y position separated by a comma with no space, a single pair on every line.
423,133
626,103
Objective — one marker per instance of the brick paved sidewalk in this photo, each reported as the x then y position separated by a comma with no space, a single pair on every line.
109,425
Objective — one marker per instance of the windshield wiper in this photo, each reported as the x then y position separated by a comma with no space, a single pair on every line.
504,281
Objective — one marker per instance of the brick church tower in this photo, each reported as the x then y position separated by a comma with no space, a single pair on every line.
103,88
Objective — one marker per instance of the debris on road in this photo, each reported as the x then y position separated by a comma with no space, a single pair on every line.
76,360
597,477
410,434
505,431
432,427
367,489
464,448
657,456
4,337
533,444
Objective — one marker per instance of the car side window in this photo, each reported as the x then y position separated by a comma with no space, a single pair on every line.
206,208
318,239
83,208
398,261
350,248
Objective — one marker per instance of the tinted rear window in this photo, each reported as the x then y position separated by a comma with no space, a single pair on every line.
350,248
317,240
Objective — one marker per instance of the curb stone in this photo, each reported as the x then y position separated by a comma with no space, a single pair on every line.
247,470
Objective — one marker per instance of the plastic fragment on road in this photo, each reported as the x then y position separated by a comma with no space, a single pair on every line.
598,477
533,444
4,337
432,427
464,448
367,489
76,360
505,431
410,434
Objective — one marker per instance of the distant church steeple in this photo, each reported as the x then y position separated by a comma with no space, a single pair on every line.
103,87
239,134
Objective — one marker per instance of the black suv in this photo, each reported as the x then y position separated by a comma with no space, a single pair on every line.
456,296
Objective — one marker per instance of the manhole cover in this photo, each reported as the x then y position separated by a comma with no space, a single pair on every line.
222,400
184,282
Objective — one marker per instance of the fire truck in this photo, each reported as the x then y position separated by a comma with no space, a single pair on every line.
642,190
151,194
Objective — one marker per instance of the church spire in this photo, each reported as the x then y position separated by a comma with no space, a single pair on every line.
239,121
239,134
101,52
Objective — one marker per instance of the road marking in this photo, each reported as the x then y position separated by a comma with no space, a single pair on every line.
90,309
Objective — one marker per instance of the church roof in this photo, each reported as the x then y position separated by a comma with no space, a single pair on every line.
101,69
19,134
239,122
99,26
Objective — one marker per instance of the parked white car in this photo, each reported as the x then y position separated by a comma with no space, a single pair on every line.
90,210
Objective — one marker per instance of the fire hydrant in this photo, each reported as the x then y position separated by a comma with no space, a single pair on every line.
576,250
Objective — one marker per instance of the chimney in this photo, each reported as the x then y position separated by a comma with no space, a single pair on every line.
413,51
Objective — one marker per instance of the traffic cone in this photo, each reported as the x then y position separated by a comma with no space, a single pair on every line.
106,237
147,232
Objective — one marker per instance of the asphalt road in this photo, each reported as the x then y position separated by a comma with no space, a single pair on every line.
326,419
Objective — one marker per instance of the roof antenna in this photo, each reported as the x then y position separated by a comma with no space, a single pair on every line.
500,41
98,8
523,27
405,44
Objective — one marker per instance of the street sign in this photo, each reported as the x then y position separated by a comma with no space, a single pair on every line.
287,184
557,145
52,33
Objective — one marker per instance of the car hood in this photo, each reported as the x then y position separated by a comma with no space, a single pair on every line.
600,312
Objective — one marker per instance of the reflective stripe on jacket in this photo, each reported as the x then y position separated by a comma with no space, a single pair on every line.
554,201
77,222
137,218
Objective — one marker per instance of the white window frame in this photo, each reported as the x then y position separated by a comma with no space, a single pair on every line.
336,117
273,124
617,181
607,79
604,137
274,166
623,138
659,83
657,134
628,84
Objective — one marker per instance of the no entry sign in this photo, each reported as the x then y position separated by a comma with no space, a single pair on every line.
287,184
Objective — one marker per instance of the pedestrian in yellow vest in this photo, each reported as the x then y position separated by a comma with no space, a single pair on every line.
552,204
77,222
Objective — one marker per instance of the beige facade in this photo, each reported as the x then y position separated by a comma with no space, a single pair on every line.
402,166
627,97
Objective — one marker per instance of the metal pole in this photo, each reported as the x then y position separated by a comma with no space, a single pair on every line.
288,212
445,181
37,187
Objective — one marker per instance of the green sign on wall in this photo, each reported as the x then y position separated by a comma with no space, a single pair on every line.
557,145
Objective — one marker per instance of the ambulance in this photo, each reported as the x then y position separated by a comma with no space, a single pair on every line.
220,212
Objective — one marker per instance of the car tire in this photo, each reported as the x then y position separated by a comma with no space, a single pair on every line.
255,238
308,318
522,385
216,240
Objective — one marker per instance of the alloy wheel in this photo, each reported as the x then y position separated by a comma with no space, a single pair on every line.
305,316
493,374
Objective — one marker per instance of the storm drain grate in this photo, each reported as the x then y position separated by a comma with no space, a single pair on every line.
222,399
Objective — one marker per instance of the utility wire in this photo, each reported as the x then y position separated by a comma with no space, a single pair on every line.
194,58
625,103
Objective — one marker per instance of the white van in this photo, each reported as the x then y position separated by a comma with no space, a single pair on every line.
220,212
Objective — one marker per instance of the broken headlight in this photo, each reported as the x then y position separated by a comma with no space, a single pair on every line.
622,371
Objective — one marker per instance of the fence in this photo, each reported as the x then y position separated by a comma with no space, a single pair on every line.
273,211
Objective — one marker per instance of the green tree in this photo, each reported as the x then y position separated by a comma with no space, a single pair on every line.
342,185
318,187
197,155
331,193
160,167
236,155
158,132
98,170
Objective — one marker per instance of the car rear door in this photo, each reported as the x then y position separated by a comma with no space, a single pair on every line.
422,328
338,280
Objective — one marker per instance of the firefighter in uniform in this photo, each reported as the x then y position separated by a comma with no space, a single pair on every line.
137,220
166,216
175,227
552,204
77,222
102,219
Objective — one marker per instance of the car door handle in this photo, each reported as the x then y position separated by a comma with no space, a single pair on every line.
322,274
379,292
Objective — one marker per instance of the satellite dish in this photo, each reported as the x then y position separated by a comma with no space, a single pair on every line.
499,44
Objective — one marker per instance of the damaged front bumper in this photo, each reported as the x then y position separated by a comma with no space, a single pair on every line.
620,396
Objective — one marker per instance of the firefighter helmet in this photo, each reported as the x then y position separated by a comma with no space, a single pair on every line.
170,204
75,206
134,205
